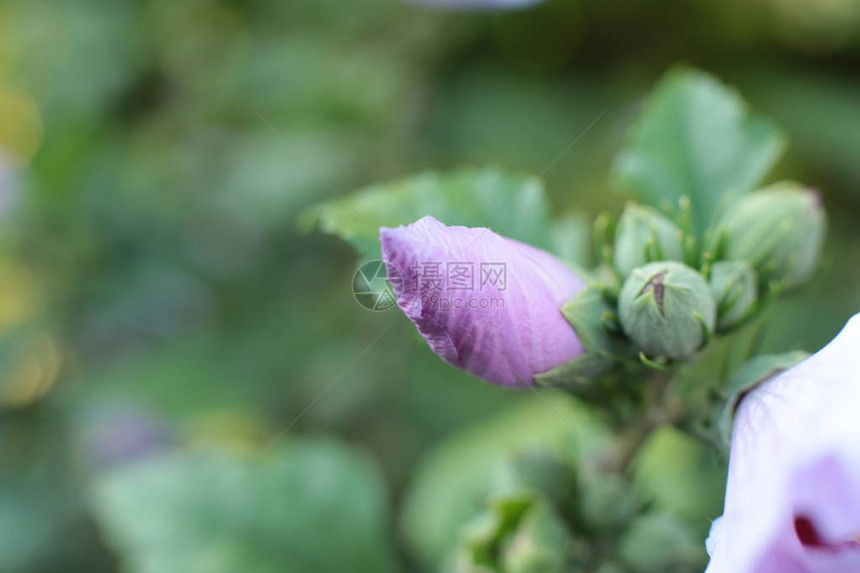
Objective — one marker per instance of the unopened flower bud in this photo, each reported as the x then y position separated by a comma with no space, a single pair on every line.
643,235
735,288
667,309
485,303
778,230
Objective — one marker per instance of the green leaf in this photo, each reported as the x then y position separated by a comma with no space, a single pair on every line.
309,506
451,484
696,138
589,313
513,205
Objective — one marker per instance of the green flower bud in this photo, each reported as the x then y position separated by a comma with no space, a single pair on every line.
643,235
735,288
667,309
778,230
540,544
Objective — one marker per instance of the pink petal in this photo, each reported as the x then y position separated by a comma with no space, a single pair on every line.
502,334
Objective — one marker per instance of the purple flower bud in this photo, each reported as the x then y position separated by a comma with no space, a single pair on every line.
793,493
485,303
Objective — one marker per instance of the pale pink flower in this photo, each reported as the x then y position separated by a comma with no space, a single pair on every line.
793,494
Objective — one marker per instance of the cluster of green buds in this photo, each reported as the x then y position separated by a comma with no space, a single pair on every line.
544,516
675,288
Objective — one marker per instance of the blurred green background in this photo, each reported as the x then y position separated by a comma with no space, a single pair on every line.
163,318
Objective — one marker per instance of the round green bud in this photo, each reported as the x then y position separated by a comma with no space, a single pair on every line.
644,235
735,288
667,309
778,230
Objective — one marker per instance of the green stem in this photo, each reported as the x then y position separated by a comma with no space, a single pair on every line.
656,411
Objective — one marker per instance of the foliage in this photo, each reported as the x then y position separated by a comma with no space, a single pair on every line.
696,139
308,506
512,205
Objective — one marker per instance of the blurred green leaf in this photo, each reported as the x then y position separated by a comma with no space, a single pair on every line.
660,543
512,205
36,511
815,106
43,524
194,375
312,505
681,476
571,237
451,483
696,138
